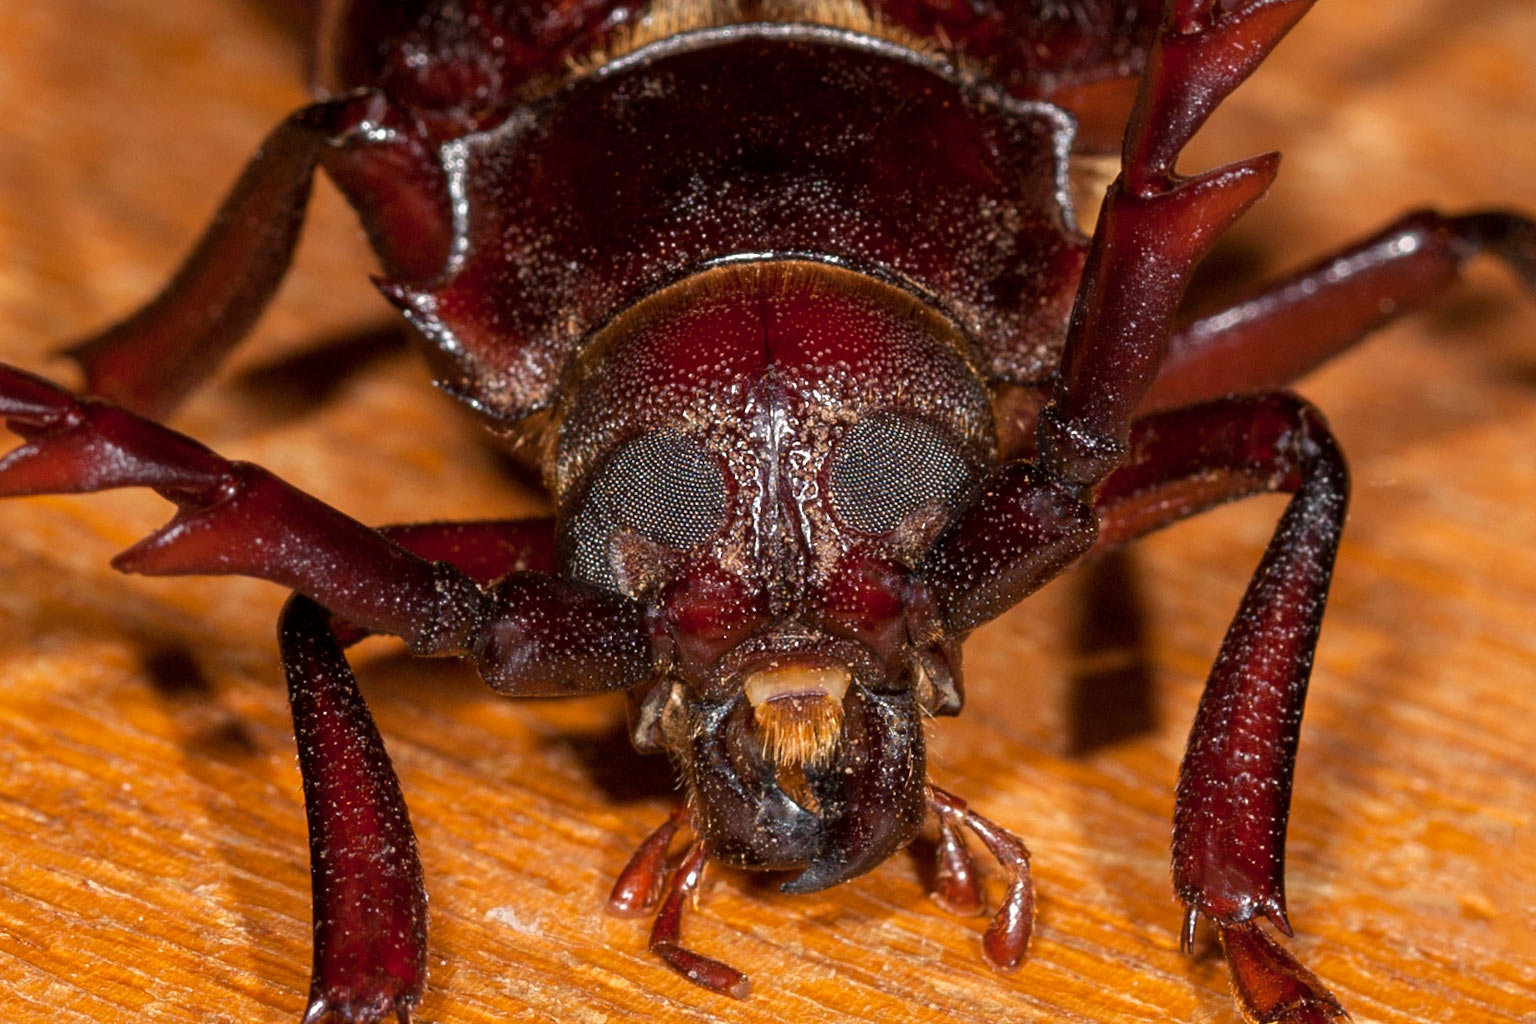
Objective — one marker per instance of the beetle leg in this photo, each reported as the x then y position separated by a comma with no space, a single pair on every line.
1235,782
666,933
532,634
1234,786
1153,228
155,357
370,923
1007,937
1269,983
233,518
370,909
1293,325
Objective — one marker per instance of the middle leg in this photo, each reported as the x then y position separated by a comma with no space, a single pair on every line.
369,903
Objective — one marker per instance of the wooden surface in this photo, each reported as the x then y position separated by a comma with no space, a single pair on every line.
152,854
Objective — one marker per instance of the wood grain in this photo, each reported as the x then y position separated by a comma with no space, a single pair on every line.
152,853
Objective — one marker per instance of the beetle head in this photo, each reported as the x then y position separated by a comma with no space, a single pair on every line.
762,455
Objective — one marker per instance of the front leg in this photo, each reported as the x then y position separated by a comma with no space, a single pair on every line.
369,904
476,594
1234,789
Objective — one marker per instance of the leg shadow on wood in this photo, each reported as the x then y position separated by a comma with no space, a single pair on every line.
1110,695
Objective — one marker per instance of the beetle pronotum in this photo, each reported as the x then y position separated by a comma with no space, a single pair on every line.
1052,814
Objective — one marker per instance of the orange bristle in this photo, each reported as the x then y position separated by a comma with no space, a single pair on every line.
800,729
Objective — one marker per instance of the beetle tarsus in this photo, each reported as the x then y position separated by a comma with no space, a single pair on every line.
1270,985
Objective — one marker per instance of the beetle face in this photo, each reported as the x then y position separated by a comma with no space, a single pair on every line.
762,455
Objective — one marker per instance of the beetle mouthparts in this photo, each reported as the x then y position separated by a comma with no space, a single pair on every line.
798,711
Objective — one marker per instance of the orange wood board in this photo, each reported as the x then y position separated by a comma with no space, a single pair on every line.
152,849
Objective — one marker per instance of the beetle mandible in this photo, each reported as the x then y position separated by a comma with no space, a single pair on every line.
818,571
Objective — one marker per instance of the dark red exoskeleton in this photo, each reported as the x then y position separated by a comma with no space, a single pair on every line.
788,308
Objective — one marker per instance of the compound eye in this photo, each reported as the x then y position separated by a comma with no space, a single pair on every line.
891,464
663,485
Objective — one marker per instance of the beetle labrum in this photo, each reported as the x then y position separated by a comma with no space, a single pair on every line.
783,623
